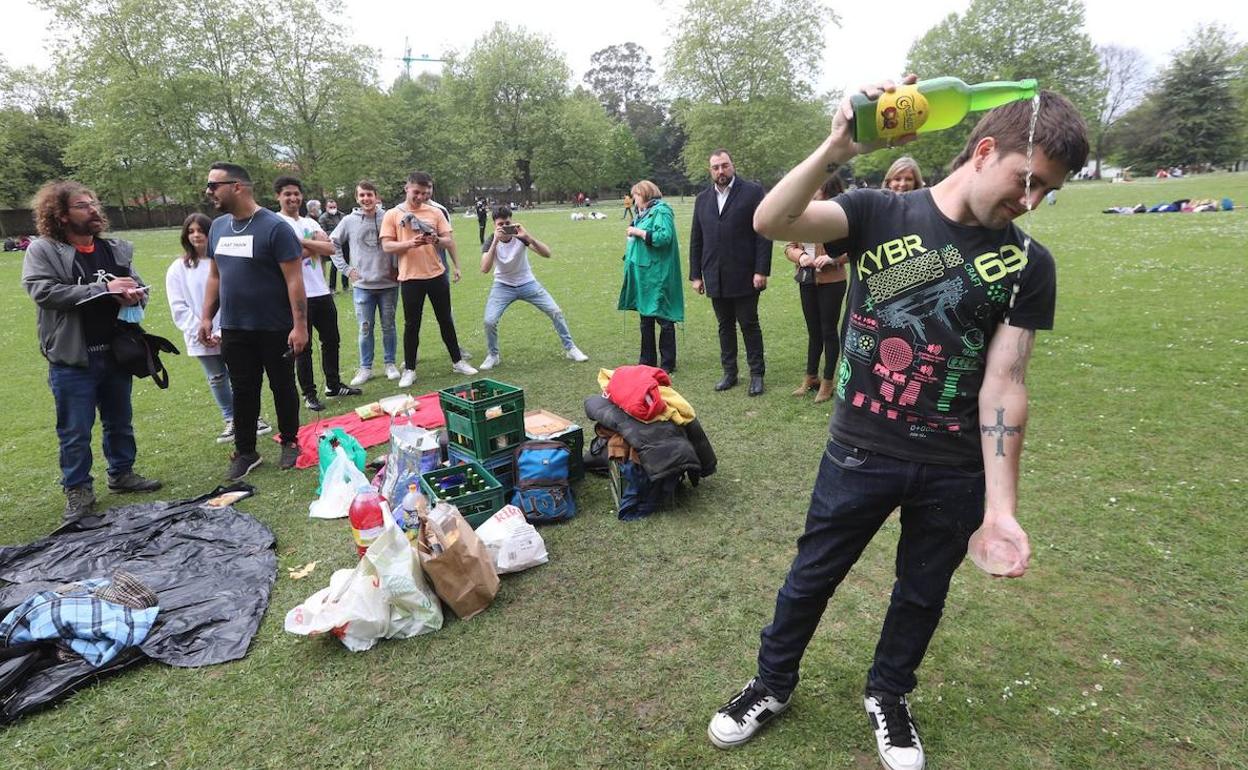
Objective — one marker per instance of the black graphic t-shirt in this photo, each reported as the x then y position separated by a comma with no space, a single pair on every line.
925,297
98,265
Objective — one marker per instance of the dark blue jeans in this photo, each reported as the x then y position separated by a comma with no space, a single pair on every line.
854,493
78,393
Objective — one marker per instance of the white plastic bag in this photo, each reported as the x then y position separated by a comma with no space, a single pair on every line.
342,480
384,597
512,541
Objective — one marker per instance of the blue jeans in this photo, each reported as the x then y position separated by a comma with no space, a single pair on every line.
502,295
855,491
78,393
367,303
219,383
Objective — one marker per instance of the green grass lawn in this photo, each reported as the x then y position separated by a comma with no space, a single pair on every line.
1123,647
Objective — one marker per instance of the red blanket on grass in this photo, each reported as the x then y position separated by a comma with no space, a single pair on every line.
367,432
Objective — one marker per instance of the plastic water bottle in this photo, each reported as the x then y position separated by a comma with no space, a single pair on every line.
413,503
367,519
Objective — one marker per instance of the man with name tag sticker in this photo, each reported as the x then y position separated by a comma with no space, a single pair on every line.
256,280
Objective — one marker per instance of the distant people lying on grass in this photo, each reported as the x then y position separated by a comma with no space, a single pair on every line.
1185,205
20,243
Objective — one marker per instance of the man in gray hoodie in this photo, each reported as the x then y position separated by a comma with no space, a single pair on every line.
81,284
374,277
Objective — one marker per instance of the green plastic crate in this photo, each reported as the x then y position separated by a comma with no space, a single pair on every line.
502,467
452,485
484,418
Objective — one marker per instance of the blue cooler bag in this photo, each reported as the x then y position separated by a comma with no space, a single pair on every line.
542,489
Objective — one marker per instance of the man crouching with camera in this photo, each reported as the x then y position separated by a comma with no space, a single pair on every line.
506,253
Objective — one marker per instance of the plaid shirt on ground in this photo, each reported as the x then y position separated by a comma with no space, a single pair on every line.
92,627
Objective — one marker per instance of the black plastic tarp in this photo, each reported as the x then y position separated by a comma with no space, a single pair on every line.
211,568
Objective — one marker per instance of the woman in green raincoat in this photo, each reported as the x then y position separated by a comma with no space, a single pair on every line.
652,283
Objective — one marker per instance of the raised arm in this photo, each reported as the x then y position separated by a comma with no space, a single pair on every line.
537,246
1002,419
787,212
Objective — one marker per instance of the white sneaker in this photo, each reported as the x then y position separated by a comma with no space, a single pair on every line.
490,362
462,367
896,734
362,375
392,372
744,715
575,354
408,378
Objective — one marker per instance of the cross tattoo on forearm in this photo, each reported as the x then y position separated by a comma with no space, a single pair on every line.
1001,430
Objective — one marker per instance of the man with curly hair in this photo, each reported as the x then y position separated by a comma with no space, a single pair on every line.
80,284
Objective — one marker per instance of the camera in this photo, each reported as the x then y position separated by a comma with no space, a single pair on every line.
511,229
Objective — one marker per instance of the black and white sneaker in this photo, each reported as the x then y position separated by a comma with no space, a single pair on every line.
896,734
744,715
341,390
313,403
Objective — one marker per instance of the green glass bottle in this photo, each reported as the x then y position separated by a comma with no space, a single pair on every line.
930,105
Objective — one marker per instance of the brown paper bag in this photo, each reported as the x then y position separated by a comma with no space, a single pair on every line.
456,561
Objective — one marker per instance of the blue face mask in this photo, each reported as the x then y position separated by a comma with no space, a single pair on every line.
131,314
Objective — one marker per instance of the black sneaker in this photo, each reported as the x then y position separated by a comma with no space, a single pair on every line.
290,454
242,464
341,390
896,734
132,482
79,501
744,715
313,403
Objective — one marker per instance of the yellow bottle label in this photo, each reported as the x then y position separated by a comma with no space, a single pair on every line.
900,112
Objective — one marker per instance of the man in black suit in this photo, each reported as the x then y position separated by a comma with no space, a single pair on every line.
731,262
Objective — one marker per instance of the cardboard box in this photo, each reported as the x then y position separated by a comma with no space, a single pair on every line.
543,425
540,423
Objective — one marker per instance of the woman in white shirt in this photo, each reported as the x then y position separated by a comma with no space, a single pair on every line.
184,285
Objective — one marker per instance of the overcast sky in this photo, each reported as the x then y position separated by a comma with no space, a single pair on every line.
870,43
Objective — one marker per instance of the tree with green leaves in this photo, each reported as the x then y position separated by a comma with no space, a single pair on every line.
34,132
508,90
1192,117
312,71
1003,40
744,72
621,76
586,150
1124,76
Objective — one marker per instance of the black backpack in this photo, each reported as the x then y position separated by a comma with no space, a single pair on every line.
138,353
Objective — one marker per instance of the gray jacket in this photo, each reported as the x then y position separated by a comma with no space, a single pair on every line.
48,276
377,269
